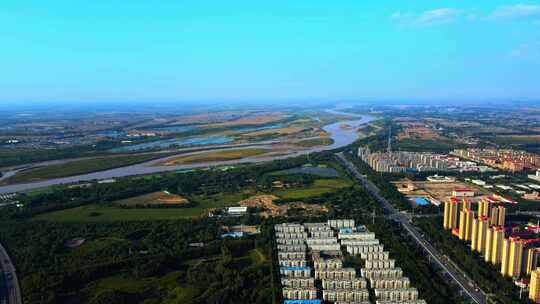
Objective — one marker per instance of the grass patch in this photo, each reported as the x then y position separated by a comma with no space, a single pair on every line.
155,198
425,145
99,213
103,213
77,167
314,142
318,188
215,156
128,284
279,131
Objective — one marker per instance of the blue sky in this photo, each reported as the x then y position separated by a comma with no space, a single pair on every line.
262,50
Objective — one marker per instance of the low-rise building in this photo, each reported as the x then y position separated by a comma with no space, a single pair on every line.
403,282
347,295
300,293
356,283
380,264
382,273
336,274
399,294
298,282
359,249
295,272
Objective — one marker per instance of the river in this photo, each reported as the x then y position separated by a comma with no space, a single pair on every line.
341,136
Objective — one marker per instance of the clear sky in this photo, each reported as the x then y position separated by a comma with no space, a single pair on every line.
120,50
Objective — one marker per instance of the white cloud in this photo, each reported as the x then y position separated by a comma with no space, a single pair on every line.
526,50
436,16
515,11
426,18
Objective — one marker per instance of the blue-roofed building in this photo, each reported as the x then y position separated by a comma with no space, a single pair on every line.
346,230
296,268
302,302
238,234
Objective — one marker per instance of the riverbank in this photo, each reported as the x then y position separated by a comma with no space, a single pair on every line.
339,135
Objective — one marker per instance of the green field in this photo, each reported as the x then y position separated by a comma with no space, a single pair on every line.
319,187
77,167
112,212
322,141
216,156
425,145
131,285
94,212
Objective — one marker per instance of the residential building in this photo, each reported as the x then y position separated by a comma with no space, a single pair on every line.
534,286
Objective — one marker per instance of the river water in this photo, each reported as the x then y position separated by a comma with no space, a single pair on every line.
341,136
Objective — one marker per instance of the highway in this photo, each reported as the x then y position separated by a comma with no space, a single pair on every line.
10,292
466,285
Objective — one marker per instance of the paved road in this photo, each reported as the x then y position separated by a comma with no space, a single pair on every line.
9,285
463,282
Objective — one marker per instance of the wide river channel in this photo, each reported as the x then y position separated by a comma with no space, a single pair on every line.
342,136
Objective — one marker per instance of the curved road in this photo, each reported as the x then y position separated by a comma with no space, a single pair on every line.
341,136
10,292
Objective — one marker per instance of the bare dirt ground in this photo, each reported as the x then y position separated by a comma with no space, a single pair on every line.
271,209
438,191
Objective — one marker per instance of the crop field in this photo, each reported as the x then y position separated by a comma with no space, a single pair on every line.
215,156
77,167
